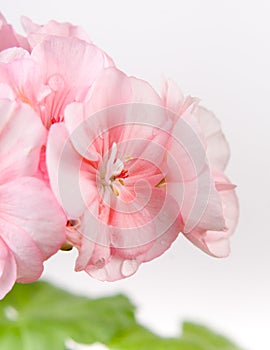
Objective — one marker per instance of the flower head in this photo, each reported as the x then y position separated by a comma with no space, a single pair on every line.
113,188
101,161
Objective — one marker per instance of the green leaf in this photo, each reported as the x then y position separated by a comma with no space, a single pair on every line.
194,337
39,316
206,337
140,338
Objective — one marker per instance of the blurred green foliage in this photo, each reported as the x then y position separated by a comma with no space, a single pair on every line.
39,316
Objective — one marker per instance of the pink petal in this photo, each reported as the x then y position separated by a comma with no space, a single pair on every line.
6,91
146,218
2,19
8,269
122,263
143,92
37,33
216,243
19,145
28,25
111,88
95,240
25,78
230,203
172,95
8,37
164,242
28,203
12,54
85,124
168,222
145,134
199,203
218,151
27,255
107,111
85,252
133,239
63,164
173,99
59,58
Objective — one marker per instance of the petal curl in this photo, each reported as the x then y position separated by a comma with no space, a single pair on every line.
26,253
63,164
21,138
217,147
29,204
8,269
37,33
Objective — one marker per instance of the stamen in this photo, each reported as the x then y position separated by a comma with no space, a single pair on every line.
121,181
72,223
122,175
115,191
161,182
66,247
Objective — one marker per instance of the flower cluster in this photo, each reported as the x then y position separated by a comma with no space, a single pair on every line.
94,159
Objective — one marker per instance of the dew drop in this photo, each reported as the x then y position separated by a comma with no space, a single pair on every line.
129,267
100,263
56,82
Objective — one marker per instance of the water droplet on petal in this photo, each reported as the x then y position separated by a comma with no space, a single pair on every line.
100,263
56,82
129,267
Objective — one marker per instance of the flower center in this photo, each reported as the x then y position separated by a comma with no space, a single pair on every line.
112,172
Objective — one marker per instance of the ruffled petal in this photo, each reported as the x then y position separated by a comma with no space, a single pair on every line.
63,164
168,222
143,92
111,88
59,58
216,243
8,269
21,138
26,253
13,53
28,203
25,78
174,100
217,147
37,33
132,238
86,123
9,38
172,96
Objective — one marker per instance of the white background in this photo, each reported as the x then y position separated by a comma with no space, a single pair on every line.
219,51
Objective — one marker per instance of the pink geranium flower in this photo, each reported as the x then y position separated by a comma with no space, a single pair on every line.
130,169
132,176
32,225
107,172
